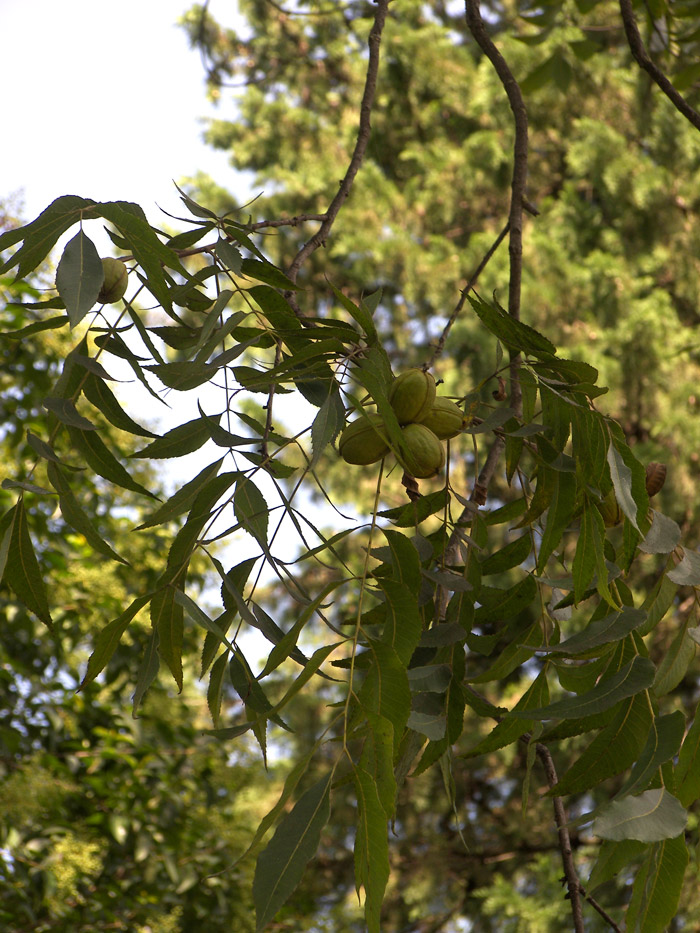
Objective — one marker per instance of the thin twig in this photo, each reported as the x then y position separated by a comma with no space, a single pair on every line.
363,134
286,221
440,346
520,144
567,856
601,910
641,56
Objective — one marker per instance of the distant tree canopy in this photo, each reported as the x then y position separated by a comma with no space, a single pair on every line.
479,667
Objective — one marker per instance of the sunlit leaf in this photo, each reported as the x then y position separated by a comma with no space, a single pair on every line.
653,816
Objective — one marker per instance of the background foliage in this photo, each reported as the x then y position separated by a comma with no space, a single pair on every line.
428,663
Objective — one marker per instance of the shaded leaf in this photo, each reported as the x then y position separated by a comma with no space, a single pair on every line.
180,440
281,864
76,517
675,662
67,413
509,730
600,632
612,751
687,573
432,678
687,772
79,277
108,639
101,396
181,501
634,677
403,624
102,461
663,742
662,537
148,669
251,510
657,887
512,333
327,424
21,570
167,619
41,235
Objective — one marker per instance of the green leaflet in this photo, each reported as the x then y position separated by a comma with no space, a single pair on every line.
108,639
629,482
102,461
657,887
612,858
371,847
403,625
405,559
281,864
512,555
653,816
327,424
251,510
509,730
663,741
41,235
676,661
179,441
76,517
385,690
79,277
612,751
361,314
215,689
67,413
181,501
101,396
377,759
148,669
21,568
167,619
634,677
512,333
287,645
561,508
688,768
600,633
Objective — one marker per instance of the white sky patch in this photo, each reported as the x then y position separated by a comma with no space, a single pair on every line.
104,101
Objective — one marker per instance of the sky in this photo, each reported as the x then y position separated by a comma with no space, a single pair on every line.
105,101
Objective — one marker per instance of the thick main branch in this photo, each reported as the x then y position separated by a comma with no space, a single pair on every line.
641,56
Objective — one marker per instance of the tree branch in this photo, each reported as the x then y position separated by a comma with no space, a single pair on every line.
520,151
440,346
641,56
363,134
572,883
